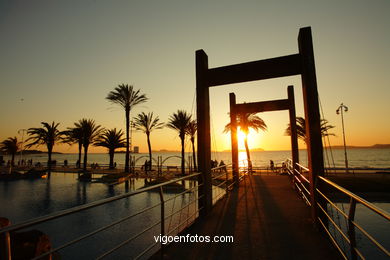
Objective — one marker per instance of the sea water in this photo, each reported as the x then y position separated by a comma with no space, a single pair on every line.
23,200
357,158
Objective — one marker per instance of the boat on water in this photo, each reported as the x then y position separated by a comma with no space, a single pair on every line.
168,188
18,175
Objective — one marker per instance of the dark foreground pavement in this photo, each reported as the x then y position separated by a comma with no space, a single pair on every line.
267,220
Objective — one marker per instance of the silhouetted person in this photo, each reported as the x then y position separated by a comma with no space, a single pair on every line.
284,168
272,165
223,166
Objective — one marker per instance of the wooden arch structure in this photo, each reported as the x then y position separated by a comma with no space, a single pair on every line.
264,106
302,64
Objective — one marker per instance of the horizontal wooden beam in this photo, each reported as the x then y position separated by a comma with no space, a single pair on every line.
256,70
274,105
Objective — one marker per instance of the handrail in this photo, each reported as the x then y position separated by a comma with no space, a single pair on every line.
89,205
190,211
7,230
357,198
296,173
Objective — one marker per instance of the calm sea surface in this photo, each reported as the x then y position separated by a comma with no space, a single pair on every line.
367,158
26,199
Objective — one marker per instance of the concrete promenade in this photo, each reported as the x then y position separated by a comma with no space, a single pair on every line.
267,220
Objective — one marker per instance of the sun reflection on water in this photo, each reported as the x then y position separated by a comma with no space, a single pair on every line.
243,159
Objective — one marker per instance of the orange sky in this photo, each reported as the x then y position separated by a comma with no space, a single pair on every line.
60,59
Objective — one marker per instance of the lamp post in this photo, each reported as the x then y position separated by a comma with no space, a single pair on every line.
21,151
342,108
132,124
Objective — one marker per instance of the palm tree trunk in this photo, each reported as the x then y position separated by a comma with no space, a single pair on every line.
49,151
111,153
80,147
13,160
193,153
248,156
127,156
150,151
182,155
85,158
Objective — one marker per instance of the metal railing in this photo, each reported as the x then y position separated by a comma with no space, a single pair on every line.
191,208
300,180
348,232
170,222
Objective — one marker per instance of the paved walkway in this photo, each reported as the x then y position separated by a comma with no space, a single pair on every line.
267,220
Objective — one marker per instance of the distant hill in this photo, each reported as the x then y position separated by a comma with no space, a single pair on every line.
165,151
375,146
381,146
37,152
252,150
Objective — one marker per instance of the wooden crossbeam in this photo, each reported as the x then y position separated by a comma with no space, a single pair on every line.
256,70
264,106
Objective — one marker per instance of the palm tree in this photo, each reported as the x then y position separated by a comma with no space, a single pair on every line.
127,98
111,139
179,121
47,135
191,132
74,135
91,132
246,121
10,146
146,123
301,128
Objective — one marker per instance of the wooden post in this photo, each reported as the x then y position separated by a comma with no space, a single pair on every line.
293,127
233,134
204,140
312,114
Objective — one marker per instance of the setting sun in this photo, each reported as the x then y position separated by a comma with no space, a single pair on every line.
241,139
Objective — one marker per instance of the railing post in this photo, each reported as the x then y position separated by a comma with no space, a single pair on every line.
351,228
5,239
227,179
162,210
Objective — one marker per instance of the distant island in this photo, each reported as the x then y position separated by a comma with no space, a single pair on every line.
375,146
251,149
165,151
38,152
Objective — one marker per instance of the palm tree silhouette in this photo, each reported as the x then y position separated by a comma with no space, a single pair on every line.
74,135
127,98
179,121
47,135
191,132
146,123
301,128
111,139
246,121
10,146
91,132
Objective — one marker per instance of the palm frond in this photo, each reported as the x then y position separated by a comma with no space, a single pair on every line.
146,123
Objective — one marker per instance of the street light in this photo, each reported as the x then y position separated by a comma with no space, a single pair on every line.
21,151
342,108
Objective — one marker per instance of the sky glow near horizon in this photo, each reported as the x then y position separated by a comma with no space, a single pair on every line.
59,60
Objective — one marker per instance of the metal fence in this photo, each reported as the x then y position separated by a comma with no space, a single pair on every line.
172,219
341,233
